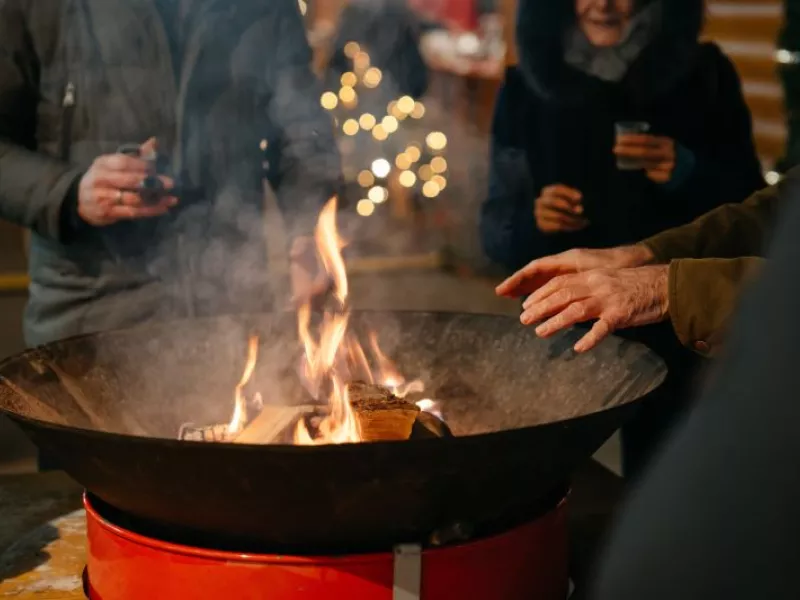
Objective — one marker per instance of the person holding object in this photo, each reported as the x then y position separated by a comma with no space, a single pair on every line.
691,275
222,89
616,124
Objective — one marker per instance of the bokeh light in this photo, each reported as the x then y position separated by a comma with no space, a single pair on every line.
425,172
378,194
438,164
413,152
436,140
372,78
419,111
379,133
389,124
402,161
350,127
351,49
407,179
365,207
405,104
361,61
430,189
349,79
348,95
366,179
329,101
381,167
440,181
367,121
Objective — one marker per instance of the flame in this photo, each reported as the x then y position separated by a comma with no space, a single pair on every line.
239,417
333,355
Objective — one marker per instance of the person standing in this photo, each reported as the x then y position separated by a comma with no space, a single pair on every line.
616,124
216,89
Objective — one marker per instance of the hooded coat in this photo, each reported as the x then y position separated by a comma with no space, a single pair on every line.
210,79
554,123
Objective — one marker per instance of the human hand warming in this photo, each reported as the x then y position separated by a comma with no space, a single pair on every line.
559,210
539,272
656,153
615,298
108,191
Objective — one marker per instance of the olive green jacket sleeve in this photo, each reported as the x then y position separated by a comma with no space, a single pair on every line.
730,231
703,295
711,260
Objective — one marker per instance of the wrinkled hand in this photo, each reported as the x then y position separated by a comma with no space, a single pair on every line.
309,279
616,298
656,153
559,210
108,191
536,274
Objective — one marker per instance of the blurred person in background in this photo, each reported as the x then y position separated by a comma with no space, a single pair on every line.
616,124
217,89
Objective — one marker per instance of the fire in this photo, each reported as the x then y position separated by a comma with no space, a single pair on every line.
239,418
333,355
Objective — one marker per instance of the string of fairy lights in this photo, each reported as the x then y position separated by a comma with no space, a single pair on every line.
419,165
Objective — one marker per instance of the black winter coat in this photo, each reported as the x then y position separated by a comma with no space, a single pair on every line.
79,78
554,124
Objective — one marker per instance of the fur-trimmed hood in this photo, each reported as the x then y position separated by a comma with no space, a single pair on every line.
541,32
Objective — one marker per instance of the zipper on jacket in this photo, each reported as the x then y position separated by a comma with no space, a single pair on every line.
68,106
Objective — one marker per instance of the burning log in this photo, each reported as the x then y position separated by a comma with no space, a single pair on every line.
211,433
271,423
381,415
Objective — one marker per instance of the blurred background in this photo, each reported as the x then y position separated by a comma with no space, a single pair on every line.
415,145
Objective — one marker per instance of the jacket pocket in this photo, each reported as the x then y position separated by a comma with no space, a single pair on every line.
67,116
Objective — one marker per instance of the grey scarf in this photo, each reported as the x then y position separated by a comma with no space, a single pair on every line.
611,64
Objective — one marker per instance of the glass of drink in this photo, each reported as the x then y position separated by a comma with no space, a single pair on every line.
630,128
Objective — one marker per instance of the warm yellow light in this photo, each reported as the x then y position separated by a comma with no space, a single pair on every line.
367,121
366,179
365,207
413,153
361,61
349,79
264,144
407,179
436,140
440,181
348,95
351,49
350,127
405,104
378,194
425,172
419,111
389,124
402,161
381,167
430,189
438,164
372,78
303,7
379,133
329,101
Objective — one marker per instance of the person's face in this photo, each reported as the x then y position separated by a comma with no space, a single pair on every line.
603,22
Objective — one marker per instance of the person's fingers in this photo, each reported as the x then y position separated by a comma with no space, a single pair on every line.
117,180
556,222
599,331
121,162
563,191
559,203
642,152
639,139
529,278
149,147
660,175
121,212
553,304
577,312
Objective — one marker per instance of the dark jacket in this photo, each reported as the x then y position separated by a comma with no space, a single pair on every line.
79,78
555,124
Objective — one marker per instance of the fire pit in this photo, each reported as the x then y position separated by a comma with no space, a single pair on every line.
299,436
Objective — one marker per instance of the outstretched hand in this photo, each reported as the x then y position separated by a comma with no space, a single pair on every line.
614,298
539,272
